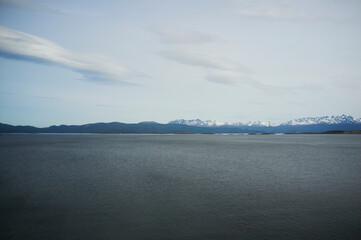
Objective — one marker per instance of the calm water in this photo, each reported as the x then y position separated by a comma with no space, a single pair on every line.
180,187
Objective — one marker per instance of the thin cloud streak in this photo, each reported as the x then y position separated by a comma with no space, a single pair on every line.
275,9
26,47
224,77
109,106
35,6
29,5
170,35
201,59
221,71
296,10
46,98
347,82
234,78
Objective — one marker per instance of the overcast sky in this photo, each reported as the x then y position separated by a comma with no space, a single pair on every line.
75,62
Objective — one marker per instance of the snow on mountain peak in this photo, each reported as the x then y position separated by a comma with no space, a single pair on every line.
325,120
199,123
299,121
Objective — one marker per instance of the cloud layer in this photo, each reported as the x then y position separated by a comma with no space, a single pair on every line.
25,47
226,72
220,70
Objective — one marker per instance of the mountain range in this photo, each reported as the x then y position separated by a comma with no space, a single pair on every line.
307,124
299,121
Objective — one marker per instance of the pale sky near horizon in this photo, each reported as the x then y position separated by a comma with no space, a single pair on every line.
76,62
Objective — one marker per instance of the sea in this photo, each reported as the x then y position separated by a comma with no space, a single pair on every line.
182,186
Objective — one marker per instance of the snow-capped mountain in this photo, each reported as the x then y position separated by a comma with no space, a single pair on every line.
206,123
215,123
323,120
260,124
342,119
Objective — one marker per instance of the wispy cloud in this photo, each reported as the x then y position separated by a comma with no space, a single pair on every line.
109,106
225,77
25,47
201,59
257,103
298,103
233,77
300,10
170,35
29,5
220,70
37,6
224,71
274,13
280,11
268,9
46,98
347,82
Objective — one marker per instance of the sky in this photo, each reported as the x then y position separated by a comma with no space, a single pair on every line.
77,62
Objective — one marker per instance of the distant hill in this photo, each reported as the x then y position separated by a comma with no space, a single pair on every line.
113,127
320,124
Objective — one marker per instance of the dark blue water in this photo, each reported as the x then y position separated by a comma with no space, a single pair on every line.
180,187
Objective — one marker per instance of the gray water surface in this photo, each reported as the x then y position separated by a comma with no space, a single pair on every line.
93,186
